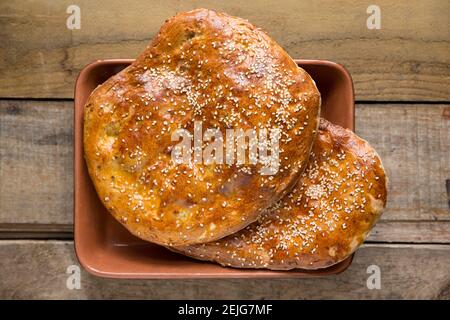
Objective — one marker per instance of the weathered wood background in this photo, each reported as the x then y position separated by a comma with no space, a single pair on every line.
402,84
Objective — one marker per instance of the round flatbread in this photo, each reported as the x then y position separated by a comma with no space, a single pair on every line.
211,69
322,221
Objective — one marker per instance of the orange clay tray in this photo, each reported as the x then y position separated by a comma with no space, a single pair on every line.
105,248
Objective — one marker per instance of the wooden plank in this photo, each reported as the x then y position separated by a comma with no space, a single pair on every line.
414,144
36,161
411,232
37,270
45,138
407,59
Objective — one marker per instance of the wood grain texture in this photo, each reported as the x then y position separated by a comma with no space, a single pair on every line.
36,160
411,232
407,59
413,142
37,270
36,192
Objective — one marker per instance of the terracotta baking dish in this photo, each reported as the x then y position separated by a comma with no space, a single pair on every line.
105,248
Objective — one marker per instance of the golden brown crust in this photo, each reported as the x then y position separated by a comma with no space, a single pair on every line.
322,221
206,66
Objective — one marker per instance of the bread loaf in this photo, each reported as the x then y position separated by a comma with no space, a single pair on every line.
322,221
220,71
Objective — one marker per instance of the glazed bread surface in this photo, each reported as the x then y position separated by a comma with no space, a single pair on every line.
328,214
202,66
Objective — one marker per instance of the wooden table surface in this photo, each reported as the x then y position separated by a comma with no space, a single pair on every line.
402,84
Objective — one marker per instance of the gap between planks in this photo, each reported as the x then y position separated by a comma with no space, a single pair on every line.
406,232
